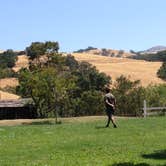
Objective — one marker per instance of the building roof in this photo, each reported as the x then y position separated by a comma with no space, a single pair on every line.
14,103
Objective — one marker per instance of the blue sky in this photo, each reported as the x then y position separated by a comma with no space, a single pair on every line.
76,24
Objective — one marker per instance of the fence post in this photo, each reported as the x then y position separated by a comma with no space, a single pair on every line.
0,87
145,110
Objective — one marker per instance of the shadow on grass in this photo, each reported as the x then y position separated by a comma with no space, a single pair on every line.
132,164
160,155
43,123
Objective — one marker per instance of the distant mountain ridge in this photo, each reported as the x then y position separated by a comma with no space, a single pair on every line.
154,49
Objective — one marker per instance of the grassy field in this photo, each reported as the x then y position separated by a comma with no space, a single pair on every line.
135,142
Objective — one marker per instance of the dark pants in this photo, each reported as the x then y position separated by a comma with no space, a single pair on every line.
110,113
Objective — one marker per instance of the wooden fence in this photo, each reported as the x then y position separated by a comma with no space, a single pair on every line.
146,109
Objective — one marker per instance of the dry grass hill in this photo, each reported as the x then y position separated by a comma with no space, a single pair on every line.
21,62
8,96
12,82
8,82
113,66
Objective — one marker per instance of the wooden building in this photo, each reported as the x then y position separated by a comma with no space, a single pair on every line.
17,109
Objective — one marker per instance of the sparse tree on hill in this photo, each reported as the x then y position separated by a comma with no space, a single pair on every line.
7,59
89,78
162,71
38,49
120,53
51,47
35,50
71,62
105,52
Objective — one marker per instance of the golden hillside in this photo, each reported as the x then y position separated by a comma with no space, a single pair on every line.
135,69
8,82
9,96
22,62
12,82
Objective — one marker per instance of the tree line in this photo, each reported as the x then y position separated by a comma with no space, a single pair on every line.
154,57
61,86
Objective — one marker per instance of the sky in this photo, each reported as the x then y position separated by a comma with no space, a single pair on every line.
76,24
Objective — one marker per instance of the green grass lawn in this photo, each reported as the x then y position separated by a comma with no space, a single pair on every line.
135,142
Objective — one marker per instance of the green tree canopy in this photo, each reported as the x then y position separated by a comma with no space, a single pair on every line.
46,87
89,78
129,95
37,49
7,59
63,85
162,71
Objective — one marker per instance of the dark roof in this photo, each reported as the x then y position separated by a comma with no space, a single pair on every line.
14,103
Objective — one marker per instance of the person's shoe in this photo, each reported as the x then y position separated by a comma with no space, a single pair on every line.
115,126
106,126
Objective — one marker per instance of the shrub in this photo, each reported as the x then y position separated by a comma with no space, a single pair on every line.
7,72
162,71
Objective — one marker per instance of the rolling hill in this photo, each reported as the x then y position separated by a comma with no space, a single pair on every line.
12,82
8,96
154,50
22,61
8,82
113,66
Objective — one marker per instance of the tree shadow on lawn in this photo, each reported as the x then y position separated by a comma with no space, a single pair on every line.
47,122
132,164
160,155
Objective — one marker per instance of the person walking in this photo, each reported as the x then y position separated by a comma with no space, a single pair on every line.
110,103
